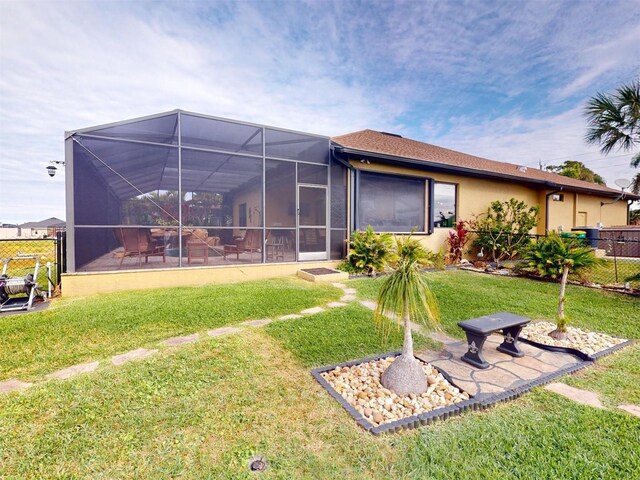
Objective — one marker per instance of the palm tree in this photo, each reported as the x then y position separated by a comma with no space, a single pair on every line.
614,120
555,256
405,296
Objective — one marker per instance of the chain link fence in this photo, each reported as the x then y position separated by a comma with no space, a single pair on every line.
49,251
618,249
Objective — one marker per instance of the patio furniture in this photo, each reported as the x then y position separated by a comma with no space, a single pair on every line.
275,245
250,243
197,250
137,242
478,329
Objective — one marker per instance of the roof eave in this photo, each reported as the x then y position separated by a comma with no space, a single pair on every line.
471,171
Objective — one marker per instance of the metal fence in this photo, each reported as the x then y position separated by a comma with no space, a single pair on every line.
618,249
51,251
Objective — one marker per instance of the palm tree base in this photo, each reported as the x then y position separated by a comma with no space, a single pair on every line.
558,334
405,376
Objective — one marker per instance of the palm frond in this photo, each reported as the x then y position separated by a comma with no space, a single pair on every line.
406,292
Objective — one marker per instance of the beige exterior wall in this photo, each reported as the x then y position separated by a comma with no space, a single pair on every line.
475,195
90,283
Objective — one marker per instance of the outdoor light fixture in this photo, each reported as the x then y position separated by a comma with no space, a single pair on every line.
52,169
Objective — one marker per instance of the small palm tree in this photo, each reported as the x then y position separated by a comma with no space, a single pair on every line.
405,296
555,256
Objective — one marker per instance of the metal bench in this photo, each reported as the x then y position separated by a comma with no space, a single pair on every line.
478,329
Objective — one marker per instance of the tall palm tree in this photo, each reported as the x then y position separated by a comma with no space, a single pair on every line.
614,120
405,296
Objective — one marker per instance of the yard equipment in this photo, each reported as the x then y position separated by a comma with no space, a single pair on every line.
18,293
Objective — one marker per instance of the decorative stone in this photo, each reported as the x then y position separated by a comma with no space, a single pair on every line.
348,298
223,331
360,386
256,323
577,338
290,317
311,311
336,304
370,304
577,395
74,370
137,354
13,384
632,409
175,341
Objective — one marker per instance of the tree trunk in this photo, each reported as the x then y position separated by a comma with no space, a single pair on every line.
405,375
560,333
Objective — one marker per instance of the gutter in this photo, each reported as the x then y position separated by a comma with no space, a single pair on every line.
439,167
546,209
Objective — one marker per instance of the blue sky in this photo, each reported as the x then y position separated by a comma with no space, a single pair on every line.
503,80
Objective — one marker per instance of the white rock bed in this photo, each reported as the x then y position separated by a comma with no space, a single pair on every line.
577,338
360,386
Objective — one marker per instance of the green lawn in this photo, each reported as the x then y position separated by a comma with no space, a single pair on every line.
463,295
203,410
78,330
606,272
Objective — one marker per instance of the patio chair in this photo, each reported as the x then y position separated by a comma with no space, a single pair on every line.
251,242
137,242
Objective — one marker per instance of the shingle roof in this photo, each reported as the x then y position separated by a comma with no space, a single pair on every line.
48,223
387,144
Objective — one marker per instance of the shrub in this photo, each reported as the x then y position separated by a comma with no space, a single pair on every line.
555,256
369,252
456,242
504,228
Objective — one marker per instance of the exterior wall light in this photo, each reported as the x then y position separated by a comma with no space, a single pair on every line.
52,169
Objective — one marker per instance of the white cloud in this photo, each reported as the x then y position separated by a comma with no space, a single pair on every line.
528,141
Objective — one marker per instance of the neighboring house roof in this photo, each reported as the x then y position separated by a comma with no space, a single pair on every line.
48,223
399,149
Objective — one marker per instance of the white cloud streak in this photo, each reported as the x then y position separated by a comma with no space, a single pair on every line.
502,80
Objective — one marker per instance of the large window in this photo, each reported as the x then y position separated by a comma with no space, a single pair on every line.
444,205
391,203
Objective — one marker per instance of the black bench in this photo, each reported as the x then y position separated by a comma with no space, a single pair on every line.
478,329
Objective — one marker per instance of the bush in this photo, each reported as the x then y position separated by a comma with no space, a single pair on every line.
456,242
369,252
504,228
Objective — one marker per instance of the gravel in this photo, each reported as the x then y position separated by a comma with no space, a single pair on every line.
577,338
360,386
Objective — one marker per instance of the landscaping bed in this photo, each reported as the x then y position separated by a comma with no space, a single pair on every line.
358,384
579,341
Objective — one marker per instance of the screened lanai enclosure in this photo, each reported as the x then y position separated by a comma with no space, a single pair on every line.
181,189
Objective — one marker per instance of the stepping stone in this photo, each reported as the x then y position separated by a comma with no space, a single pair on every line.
290,317
339,285
442,337
13,384
348,298
313,310
336,304
74,370
132,355
577,395
370,304
632,409
350,291
175,341
256,323
223,331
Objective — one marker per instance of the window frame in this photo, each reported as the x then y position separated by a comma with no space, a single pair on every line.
358,190
432,201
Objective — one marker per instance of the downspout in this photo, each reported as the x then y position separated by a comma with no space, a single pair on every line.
546,209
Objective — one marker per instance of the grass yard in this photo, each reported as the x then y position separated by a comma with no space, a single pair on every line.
606,272
203,410
73,331
464,295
